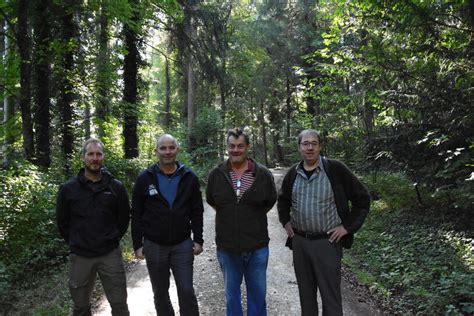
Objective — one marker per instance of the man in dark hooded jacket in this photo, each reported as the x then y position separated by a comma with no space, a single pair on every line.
93,213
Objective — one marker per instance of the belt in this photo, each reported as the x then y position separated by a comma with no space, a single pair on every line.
310,236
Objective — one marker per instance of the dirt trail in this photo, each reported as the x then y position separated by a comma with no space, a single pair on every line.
282,291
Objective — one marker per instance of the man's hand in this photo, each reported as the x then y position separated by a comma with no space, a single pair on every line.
337,233
289,230
139,253
197,249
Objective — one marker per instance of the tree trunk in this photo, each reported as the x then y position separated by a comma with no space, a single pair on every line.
276,144
190,105
288,107
130,93
8,103
190,91
24,48
167,120
264,132
223,91
103,82
42,75
66,87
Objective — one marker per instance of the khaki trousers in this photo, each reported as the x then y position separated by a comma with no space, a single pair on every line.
82,276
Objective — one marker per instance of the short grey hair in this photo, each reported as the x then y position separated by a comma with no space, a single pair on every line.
309,131
160,138
91,140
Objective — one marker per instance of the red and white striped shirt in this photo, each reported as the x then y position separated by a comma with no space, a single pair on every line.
245,181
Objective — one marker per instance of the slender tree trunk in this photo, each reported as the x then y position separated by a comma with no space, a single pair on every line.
190,105
24,48
66,87
8,102
167,120
130,93
8,106
42,75
264,132
223,91
288,107
103,82
276,144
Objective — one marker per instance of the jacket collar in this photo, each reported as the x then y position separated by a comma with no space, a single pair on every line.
155,168
106,176
252,164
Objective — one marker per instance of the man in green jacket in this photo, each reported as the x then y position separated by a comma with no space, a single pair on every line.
242,191
313,207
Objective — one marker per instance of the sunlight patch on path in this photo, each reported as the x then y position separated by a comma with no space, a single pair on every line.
140,294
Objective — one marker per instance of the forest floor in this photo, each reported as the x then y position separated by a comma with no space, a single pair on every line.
282,291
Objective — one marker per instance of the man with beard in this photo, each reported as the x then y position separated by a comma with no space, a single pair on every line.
242,191
166,208
93,213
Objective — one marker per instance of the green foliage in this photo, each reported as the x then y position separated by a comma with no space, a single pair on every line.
418,263
207,135
127,170
399,75
29,240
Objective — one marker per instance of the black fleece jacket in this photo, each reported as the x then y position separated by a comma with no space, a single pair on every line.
92,218
155,220
346,187
241,225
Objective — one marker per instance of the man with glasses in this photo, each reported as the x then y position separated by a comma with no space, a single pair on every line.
313,207
242,191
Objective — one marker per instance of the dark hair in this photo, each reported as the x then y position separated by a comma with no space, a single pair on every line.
236,133
308,131
91,140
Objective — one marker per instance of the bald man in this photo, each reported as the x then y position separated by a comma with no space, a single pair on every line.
167,209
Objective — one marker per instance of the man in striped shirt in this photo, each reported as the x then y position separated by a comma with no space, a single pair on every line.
314,210
242,191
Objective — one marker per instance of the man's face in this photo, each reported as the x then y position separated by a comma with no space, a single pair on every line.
310,149
167,151
93,158
237,149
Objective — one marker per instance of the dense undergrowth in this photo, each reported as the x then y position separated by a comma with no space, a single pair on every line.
33,253
418,259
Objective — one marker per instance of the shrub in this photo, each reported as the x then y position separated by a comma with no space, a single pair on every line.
418,261
28,236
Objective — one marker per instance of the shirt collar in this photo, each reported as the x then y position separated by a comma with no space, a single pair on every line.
250,165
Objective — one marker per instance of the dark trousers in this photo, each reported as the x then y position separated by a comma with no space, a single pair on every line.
318,265
82,274
179,259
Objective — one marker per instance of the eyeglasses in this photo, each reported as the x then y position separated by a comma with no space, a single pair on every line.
238,185
307,144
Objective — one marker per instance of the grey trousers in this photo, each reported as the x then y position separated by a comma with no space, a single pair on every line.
82,276
318,266
160,259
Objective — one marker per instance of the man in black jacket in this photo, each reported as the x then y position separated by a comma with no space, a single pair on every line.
242,191
93,213
313,207
166,207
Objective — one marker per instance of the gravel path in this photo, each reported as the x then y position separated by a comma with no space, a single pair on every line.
282,291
